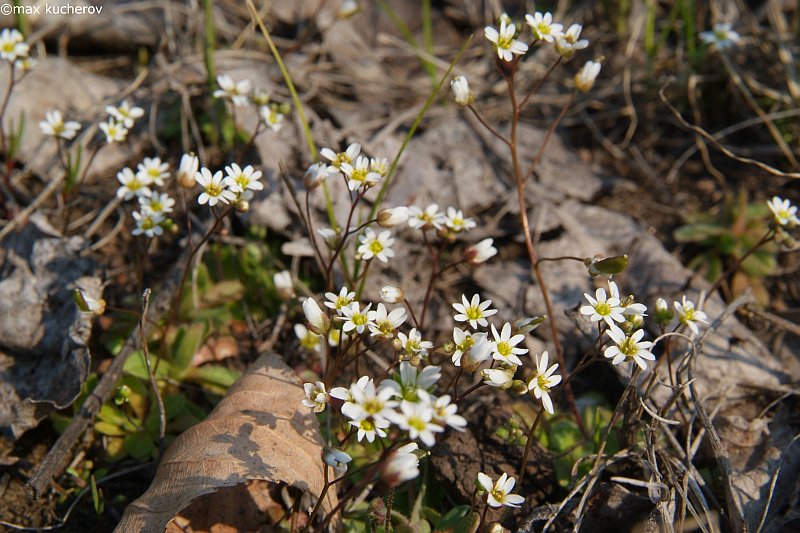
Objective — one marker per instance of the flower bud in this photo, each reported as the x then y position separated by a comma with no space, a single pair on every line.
664,313
315,175
392,295
608,266
337,459
318,321
330,237
525,325
242,205
476,254
584,79
519,387
449,347
284,285
188,167
463,95
403,465
389,218
87,304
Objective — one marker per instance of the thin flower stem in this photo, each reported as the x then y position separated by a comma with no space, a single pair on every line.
436,254
311,231
162,414
528,444
321,497
487,126
523,208
483,515
340,246
413,315
469,391
562,258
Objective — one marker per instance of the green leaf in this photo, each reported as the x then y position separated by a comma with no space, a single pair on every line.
107,428
139,445
699,232
97,497
188,341
224,292
760,264
457,520
135,366
214,375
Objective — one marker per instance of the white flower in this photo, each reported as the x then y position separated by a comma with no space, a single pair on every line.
213,190
570,42
346,394
238,93
504,346
474,346
444,414
602,307
315,175
376,245
87,304
412,384
12,45
629,347
584,79
187,168
318,320
784,212
389,218
379,165
542,26
501,378
330,237
499,494
308,339
360,175
370,427
337,459
428,219
355,318
461,91
337,159
383,323
721,36
272,118
369,402
115,132
316,396
413,345
55,126
24,64
504,41
125,114
132,185
402,465
148,223
475,254
238,180
688,315
392,295
456,221
543,380
284,284
417,419
475,311
154,169
339,301
157,203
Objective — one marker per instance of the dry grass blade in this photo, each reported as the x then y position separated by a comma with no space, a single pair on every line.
258,432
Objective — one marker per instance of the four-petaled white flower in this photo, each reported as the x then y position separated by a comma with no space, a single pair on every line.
376,245
55,126
125,114
157,203
213,190
132,185
505,345
543,380
338,159
461,91
383,323
457,222
316,396
784,212
570,42
355,318
475,311
148,223
721,36
115,132
505,42
239,179
237,92
629,347
417,419
499,494
359,174
584,79
542,26
688,315
602,307
154,170
475,254
428,219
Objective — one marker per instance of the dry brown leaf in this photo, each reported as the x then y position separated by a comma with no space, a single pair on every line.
259,431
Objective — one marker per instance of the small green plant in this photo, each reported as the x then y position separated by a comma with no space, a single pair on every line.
721,238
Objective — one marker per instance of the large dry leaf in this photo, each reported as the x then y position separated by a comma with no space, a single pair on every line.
260,431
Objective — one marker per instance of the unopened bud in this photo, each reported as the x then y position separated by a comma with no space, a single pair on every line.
461,91
330,237
664,313
392,295
449,347
584,79
187,169
284,285
519,387
476,254
87,304
389,218
242,205
525,325
315,175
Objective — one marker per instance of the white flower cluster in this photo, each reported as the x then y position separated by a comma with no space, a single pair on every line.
14,49
154,206
359,171
121,119
544,31
235,187
242,94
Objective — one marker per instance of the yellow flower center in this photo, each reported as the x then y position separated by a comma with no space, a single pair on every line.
212,189
603,309
367,425
359,319
503,348
375,247
373,406
474,313
416,423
